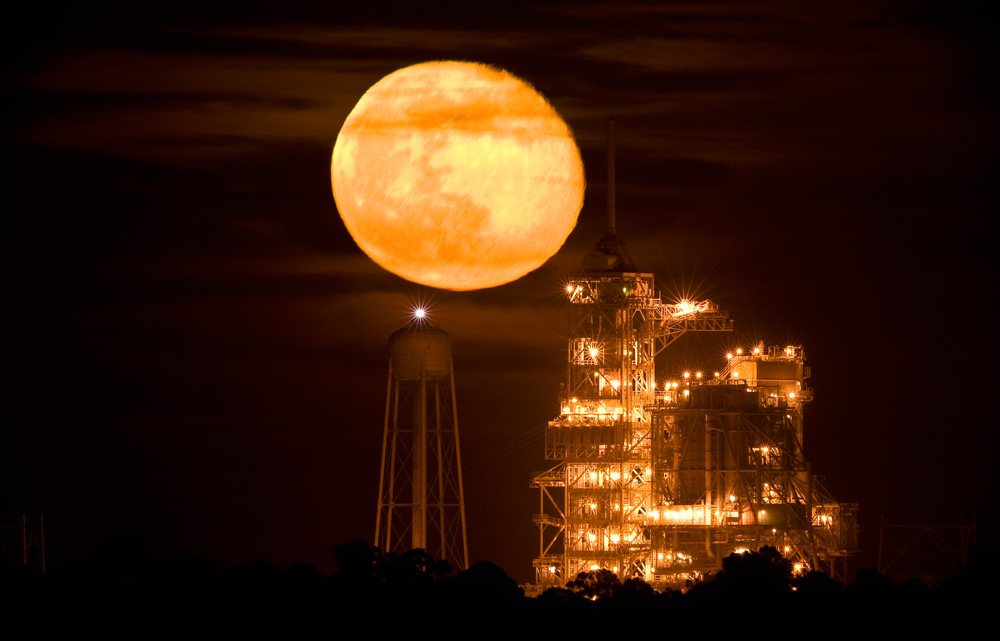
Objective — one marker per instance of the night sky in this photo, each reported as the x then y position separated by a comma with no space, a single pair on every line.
196,348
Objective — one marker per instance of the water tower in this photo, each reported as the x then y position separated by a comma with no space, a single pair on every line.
421,501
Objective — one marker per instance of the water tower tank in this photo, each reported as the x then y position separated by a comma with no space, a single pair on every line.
412,347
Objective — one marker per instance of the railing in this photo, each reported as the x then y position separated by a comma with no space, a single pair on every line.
549,478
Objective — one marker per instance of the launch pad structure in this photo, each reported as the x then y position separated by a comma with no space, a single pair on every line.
662,479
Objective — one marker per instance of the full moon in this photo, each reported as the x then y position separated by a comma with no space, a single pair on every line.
457,175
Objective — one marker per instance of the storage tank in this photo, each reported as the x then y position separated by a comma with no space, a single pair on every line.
416,346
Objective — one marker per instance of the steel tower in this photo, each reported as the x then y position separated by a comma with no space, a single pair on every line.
662,482
421,502
617,326
727,457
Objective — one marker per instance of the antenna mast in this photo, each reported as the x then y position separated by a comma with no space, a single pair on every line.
611,177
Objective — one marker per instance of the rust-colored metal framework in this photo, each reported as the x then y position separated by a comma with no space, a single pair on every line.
23,542
930,553
662,480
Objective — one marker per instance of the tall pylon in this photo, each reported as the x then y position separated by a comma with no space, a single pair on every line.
421,502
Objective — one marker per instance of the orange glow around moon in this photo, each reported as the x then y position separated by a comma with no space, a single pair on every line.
457,175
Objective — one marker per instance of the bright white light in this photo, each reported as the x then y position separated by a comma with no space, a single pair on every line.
419,313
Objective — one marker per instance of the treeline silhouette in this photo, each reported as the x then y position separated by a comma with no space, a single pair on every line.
120,585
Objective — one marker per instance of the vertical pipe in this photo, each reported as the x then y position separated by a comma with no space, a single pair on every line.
708,486
541,526
708,461
739,451
676,444
392,469
565,514
758,491
458,460
758,501
809,516
41,522
611,177
809,496
381,473
419,529
442,524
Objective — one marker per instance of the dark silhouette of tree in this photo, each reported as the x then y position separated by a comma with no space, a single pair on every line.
304,579
355,562
766,571
556,597
745,581
596,584
871,586
122,559
976,578
635,590
414,566
487,580
818,583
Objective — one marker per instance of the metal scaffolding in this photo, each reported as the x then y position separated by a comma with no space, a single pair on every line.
661,481
23,542
930,553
